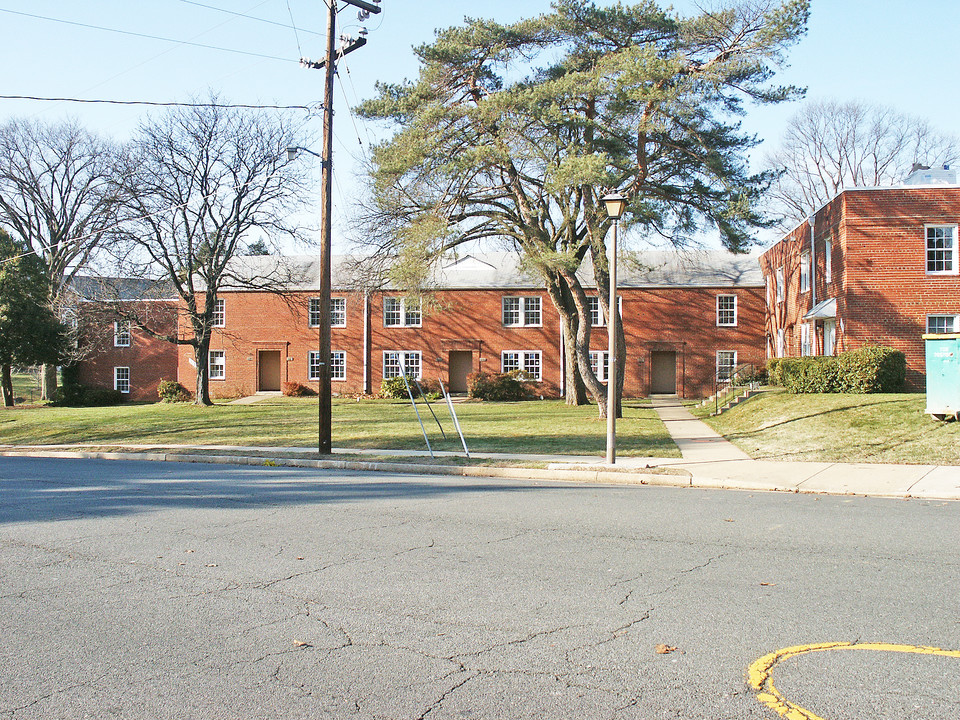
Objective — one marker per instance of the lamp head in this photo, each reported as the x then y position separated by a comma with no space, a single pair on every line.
615,204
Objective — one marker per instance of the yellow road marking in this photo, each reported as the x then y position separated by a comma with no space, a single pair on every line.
759,674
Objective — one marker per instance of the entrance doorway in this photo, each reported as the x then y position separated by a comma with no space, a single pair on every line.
461,365
664,372
268,374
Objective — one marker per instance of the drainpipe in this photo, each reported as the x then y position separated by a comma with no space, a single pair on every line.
366,342
563,360
813,275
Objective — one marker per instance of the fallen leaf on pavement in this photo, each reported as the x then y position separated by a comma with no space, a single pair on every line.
769,584
664,649
301,643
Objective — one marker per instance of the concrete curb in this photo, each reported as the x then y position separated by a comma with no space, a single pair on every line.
582,476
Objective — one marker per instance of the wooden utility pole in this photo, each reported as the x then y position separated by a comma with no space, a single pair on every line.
325,390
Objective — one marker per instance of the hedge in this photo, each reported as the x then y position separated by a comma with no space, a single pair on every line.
496,386
870,369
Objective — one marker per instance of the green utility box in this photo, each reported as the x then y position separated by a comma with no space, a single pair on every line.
943,375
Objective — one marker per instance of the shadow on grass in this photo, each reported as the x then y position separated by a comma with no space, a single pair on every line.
50,489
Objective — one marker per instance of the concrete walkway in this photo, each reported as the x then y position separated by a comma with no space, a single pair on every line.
698,442
256,397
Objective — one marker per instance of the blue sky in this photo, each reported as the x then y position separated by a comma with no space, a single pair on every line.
894,52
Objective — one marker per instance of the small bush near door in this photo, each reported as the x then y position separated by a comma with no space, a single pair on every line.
295,389
504,387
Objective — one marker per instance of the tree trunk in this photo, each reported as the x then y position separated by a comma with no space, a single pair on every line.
202,355
574,388
6,385
48,381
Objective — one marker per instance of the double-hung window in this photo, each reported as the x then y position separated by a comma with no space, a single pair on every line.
828,262
521,311
779,284
726,364
943,323
338,312
121,379
338,365
394,360
217,365
805,272
600,364
121,333
528,362
401,312
726,310
806,345
219,313
942,250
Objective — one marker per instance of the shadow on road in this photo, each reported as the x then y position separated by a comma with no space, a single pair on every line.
48,489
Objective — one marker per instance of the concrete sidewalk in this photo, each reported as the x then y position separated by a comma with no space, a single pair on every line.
708,461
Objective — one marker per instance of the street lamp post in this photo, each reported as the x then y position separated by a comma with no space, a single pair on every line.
615,204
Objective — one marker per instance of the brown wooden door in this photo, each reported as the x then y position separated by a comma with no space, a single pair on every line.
664,372
269,372
461,365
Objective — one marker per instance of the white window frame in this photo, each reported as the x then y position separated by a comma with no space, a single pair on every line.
828,262
121,333
780,284
410,314
597,317
217,370
950,253
806,344
405,357
805,271
219,318
526,306
119,382
529,362
724,313
600,364
733,368
313,312
781,343
953,322
338,365
338,312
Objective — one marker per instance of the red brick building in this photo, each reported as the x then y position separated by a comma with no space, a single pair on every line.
873,265
685,316
122,357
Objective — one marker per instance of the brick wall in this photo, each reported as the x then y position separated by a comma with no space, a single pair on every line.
883,291
680,320
150,360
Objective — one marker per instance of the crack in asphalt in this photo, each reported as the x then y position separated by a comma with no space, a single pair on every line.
59,691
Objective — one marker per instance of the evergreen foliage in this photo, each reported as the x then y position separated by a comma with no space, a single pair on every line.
517,131
30,333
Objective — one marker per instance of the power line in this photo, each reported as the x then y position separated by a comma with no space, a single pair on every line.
295,33
144,35
251,17
308,108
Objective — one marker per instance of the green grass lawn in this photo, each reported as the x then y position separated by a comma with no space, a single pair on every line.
26,386
842,428
534,427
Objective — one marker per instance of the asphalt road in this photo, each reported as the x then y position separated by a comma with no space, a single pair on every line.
165,590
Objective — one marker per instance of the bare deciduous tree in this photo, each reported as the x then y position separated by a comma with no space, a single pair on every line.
57,194
830,145
198,181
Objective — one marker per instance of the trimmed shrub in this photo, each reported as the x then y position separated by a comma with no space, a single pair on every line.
100,397
814,375
295,389
172,391
395,388
496,386
872,369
